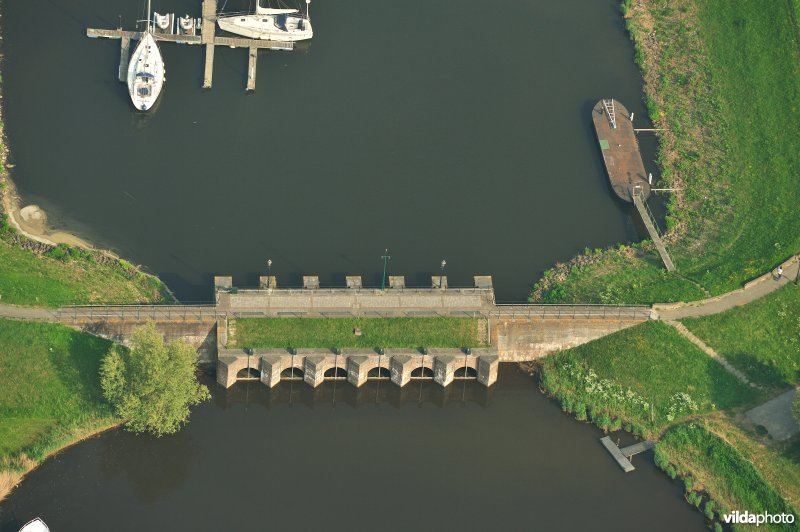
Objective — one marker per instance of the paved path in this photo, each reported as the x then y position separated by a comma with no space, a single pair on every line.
776,416
27,313
754,290
710,352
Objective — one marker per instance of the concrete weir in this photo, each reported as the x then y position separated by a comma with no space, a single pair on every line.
401,366
515,333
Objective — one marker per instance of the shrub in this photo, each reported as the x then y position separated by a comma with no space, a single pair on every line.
708,509
694,499
566,405
604,421
60,252
580,411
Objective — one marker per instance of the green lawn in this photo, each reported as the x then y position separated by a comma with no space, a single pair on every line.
30,279
762,339
718,468
49,386
723,80
626,274
639,374
338,332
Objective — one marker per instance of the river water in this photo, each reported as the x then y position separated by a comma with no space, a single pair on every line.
380,457
436,129
452,129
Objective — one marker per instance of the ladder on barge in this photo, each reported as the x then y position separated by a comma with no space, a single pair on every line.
612,116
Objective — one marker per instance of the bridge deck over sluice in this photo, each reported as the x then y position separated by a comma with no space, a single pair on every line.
90,313
515,332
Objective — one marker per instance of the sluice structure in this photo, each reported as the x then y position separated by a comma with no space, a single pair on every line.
314,366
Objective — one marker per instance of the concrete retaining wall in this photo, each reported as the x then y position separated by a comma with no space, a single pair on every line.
202,335
518,340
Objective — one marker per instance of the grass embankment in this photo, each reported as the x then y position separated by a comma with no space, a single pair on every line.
375,332
761,339
723,79
64,276
717,476
50,393
642,379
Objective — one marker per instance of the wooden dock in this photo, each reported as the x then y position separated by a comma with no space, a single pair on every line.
650,224
636,448
251,69
207,37
622,456
124,54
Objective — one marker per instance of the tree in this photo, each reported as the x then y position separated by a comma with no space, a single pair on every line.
796,406
152,385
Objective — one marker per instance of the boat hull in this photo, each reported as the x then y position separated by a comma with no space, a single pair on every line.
250,26
620,149
146,73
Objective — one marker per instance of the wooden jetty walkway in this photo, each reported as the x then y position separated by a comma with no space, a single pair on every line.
652,229
626,174
623,456
207,38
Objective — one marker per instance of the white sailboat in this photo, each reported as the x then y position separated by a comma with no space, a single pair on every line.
282,25
37,525
146,72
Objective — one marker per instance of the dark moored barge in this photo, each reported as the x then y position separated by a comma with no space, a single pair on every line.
620,150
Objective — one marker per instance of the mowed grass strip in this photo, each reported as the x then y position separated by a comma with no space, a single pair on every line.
762,338
776,461
755,62
49,386
338,332
721,470
30,279
652,361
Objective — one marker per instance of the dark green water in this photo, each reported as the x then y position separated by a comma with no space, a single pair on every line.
451,129
380,457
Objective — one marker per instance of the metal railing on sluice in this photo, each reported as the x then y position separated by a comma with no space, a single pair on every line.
139,313
211,312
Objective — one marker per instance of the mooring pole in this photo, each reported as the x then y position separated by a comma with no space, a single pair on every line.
386,259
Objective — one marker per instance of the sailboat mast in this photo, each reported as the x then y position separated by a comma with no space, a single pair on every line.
308,9
148,16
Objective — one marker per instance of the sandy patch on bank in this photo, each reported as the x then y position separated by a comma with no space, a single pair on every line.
31,221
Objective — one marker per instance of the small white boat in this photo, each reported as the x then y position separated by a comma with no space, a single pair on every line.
36,525
186,25
274,24
164,23
146,72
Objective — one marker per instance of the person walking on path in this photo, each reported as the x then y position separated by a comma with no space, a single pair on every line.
780,273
